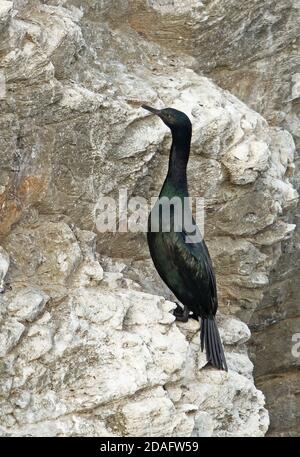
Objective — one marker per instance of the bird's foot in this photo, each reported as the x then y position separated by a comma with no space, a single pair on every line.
183,314
178,310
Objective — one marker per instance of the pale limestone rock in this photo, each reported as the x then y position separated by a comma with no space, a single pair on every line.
38,341
184,420
295,86
4,265
240,363
215,395
5,10
113,279
234,331
204,424
220,125
10,333
28,304
246,160
50,257
72,75
147,416
87,241
73,425
253,52
112,361
95,306
90,273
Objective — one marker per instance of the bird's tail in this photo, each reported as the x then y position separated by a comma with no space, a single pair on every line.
211,341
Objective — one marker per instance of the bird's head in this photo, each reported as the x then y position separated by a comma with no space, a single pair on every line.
174,119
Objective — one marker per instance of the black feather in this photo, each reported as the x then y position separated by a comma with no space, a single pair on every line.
185,266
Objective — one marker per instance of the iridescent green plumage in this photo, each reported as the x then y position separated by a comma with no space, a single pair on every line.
184,266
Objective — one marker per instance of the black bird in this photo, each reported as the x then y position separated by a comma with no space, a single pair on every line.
185,266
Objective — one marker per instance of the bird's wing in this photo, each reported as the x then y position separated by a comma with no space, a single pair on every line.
195,266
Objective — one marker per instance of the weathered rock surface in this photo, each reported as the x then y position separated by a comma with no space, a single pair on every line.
252,50
64,161
106,359
261,66
70,130
4,264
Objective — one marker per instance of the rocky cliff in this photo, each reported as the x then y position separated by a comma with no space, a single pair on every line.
87,352
88,344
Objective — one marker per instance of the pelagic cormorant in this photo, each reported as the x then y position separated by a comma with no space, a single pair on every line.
185,266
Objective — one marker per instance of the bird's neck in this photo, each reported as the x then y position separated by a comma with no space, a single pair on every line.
179,156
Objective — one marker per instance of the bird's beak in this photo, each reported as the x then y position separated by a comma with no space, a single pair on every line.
152,110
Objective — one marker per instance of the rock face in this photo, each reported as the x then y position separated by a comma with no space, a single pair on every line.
261,66
4,264
252,50
103,358
71,129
